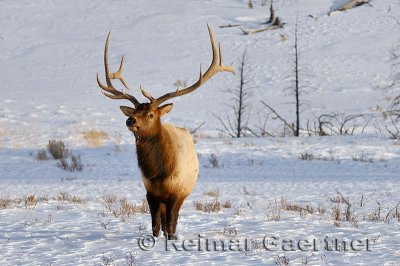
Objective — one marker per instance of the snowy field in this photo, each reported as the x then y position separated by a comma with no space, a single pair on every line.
260,201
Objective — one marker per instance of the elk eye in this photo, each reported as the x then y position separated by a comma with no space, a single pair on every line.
151,115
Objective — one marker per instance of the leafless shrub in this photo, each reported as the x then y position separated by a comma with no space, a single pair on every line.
49,218
247,192
109,200
211,206
343,214
376,214
213,160
362,158
307,156
274,209
58,149
227,204
108,261
132,259
340,124
394,130
321,210
5,203
230,230
75,164
69,178
42,155
303,261
394,213
63,164
282,260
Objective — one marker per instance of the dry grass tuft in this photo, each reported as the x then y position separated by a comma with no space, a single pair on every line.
94,138
128,209
212,206
66,197
30,202
212,193
122,208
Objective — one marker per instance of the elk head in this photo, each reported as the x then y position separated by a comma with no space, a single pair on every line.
144,118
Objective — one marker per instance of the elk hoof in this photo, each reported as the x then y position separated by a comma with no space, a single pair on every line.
171,237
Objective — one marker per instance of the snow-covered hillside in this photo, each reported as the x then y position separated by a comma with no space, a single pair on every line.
308,188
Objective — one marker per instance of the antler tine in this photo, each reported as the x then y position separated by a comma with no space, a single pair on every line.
146,94
214,68
118,74
109,90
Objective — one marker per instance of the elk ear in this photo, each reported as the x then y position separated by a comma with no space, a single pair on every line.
127,110
163,109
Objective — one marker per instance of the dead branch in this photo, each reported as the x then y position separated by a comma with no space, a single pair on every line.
192,131
252,31
350,4
278,116
229,26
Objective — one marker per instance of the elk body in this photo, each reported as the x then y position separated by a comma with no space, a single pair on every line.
166,154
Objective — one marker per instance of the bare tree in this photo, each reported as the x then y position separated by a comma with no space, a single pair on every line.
272,16
294,127
296,88
394,109
393,112
238,127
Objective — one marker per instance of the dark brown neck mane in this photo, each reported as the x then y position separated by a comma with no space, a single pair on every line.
155,158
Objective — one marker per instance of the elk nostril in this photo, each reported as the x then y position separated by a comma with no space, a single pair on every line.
130,122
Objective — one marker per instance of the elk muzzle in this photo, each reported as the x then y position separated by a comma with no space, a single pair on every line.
131,124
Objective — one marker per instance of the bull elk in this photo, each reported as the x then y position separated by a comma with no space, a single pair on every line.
166,154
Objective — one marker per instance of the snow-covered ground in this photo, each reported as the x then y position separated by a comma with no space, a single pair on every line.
50,52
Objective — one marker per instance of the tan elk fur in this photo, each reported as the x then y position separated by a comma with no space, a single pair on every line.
173,154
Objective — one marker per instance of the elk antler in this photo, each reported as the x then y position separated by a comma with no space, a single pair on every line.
109,90
214,68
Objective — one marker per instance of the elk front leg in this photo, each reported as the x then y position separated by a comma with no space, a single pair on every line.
163,218
172,212
155,211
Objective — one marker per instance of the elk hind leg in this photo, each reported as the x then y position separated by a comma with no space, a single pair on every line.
172,212
163,218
